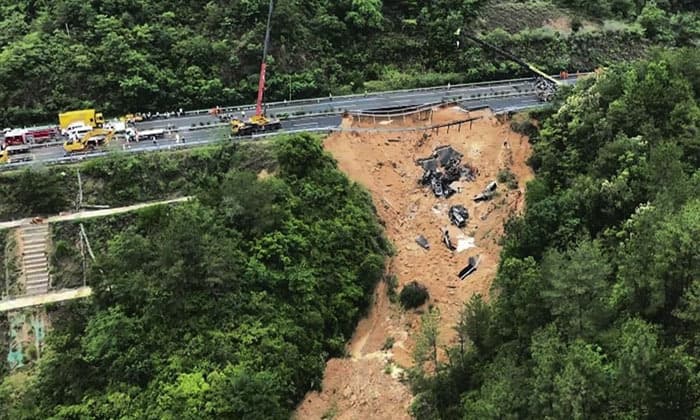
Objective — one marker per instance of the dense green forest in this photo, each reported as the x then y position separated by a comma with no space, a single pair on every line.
123,179
225,307
157,55
596,305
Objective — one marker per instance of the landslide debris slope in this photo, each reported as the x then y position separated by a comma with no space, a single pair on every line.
370,382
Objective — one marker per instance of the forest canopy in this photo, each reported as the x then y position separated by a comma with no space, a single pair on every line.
225,307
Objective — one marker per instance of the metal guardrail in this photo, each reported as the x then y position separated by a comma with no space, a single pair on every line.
369,95
340,110
190,144
378,94
309,101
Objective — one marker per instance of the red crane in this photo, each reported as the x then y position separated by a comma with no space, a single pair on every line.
263,65
259,122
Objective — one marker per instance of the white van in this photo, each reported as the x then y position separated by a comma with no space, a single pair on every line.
117,126
78,131
75,126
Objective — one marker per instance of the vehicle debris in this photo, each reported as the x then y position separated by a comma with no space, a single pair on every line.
448,159
447,241
423,242
469,269
487,193
458,215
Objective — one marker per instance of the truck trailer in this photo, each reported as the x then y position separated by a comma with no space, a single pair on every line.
86,116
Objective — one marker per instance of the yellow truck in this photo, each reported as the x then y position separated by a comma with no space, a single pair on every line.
88,117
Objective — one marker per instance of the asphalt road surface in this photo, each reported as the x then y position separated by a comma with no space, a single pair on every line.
217,131
509,96
359,103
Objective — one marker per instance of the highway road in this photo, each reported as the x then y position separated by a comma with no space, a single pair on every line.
203,128
518,87
211,133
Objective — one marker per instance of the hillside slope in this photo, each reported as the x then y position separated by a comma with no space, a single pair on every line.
150,55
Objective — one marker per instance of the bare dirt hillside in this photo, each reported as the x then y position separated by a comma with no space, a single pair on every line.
368,383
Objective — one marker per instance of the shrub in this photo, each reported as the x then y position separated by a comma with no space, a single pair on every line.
413,295
391,284
576,24
525,127
388,343
505,176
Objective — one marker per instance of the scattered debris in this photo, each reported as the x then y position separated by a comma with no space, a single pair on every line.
465,244
487,193
469,173
429,164
447,155
449,159
469,269
459,215
423,242
446,240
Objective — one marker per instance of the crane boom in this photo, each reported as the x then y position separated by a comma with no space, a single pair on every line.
263,65
511,56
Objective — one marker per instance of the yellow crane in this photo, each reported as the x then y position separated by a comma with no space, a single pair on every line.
90,141
545,85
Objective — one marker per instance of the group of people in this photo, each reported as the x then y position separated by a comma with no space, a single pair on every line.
147,116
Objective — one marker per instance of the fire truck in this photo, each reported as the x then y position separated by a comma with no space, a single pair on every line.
15,137
42,134
19,136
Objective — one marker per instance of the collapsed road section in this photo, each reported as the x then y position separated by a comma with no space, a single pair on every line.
423,184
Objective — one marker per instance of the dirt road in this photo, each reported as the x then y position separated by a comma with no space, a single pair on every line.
90,213
51,297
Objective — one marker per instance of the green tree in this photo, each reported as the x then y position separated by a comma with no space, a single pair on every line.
635,365
655,22
475,324
657,260
426,349
577,288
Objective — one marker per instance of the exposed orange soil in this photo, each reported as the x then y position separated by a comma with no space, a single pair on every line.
362,386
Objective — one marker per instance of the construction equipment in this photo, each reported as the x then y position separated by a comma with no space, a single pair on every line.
131,118
90,141
85,116
259,122
545,85
14,154
255,124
